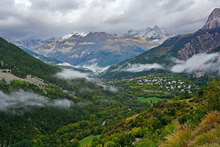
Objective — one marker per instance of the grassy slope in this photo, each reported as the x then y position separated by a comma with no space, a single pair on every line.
150,99
88,140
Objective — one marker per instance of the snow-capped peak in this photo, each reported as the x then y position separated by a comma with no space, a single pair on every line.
66,36
82,34
155,33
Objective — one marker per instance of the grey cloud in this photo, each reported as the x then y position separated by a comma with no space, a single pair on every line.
46,18
54,5
170,6
199,62
69,74
23,99
142,67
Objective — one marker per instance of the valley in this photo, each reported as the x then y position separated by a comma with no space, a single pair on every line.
143,88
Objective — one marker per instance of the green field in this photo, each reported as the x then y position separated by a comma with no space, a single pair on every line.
88,140
150,99
156,91
152,91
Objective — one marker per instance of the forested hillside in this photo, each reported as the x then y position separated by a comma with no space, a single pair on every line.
22,64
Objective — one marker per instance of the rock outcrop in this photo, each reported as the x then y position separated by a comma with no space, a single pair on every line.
213,20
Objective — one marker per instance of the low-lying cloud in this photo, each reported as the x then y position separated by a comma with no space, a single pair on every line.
69,74
110,88
142,67
23,99
94,68
199,62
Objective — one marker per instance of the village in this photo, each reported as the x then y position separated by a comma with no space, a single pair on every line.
168,82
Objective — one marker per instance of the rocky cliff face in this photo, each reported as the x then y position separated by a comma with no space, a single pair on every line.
201,42
213,20
205,40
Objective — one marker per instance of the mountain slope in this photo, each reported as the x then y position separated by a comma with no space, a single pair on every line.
213,20
180,47
95,48
31,44
41,57
22,64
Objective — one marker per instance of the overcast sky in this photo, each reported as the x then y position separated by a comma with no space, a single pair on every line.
47,18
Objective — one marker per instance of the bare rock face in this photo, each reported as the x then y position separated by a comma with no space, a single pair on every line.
201,42
204,40
213,20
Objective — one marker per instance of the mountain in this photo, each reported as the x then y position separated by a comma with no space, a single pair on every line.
21,64
151,34
31,44
177,49
95,48
41,57
213,20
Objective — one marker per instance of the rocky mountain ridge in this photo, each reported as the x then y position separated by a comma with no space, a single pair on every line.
95,48
154,33
213,20
31,44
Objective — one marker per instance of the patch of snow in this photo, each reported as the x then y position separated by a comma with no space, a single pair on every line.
86,43
82,34
66,36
